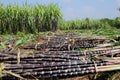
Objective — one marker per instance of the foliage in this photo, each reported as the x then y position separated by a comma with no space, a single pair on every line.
24,39
14,18
34,19
82,24
2,45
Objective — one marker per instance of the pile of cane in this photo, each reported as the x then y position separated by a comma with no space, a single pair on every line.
60,56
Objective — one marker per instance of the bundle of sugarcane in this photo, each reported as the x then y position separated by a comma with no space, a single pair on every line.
65,43
60,63
57,42
58,69
60,55
51,42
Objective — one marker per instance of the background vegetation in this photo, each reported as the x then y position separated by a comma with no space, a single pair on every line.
34,19
14,18
90,24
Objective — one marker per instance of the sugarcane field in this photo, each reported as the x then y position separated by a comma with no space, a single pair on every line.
38,43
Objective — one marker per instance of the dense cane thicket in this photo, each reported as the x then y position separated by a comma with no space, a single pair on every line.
87,23
14,18
32,19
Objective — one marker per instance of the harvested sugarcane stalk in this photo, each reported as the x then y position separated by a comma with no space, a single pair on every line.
75,69
65,55
59,41
36,68
78,70
52,66
58,56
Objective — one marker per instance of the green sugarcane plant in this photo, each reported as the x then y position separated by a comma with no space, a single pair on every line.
14,18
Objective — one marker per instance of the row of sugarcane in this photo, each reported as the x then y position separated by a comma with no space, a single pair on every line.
62,43
61,54
61,59
65,42
15,18
60,63
57,55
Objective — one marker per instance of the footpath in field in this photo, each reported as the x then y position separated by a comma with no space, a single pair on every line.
60,56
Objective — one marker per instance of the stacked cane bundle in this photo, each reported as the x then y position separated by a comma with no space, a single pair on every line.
66,42
60,61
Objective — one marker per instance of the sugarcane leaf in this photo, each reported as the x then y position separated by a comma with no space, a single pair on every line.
19,42
2,45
